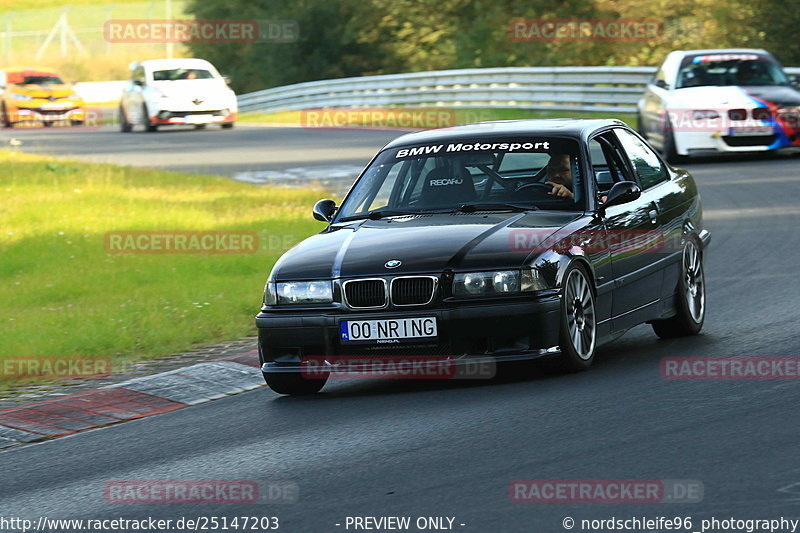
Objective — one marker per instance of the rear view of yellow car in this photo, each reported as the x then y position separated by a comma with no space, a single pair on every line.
38,95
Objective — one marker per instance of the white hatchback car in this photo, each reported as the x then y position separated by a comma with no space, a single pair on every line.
712,101
164,92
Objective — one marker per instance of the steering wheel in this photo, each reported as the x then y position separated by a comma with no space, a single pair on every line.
536,185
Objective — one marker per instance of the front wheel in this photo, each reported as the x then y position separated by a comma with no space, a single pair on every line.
295,383
148,126
690,297
670,152
7,123
578,332
124,125
227,125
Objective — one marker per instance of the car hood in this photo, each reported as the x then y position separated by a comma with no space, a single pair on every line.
189,89
732,97
422,243
60,90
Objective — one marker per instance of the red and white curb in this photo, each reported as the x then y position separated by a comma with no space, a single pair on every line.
136,398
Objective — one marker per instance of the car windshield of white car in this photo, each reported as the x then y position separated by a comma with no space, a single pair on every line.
473,174
182,74
730,69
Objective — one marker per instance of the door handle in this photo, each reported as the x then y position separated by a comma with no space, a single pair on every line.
653,216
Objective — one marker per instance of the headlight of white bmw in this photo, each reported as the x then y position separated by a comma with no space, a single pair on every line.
304,292
790,115
498,282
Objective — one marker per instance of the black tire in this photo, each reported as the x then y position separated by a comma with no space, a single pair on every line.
76,123
639,126
227,126
199,126
295,383
669,151
578,322
690,297
6,119
47,124
124,125
148,126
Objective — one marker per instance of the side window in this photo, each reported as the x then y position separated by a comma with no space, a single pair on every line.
645,162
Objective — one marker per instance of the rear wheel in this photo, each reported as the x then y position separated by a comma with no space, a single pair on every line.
227,126
295,383
578,334
199,126
690,297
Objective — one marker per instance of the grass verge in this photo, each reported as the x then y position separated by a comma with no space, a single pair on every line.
63,294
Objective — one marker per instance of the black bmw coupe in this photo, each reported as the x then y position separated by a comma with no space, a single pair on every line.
497,241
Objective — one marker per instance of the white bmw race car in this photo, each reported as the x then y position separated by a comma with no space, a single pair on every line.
712,101
164,92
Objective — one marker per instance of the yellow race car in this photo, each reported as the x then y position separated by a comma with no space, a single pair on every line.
38,95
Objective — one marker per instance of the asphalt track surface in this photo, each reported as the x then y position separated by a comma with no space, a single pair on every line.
402,448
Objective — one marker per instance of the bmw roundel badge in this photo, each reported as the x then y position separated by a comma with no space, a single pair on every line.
393,263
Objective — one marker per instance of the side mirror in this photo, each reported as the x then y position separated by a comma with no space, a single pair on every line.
794,80
621,193
139,83
324,210
662,84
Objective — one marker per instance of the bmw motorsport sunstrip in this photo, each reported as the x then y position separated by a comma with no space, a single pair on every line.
494,241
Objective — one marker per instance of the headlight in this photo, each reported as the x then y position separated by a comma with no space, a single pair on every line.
304,292
498,282
21,97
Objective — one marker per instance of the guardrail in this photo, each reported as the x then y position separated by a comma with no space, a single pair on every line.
604,89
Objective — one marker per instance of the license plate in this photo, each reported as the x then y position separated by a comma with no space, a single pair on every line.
752,130
199,119
388,330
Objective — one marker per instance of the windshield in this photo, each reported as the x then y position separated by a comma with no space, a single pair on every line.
730,69
33,79
182,74
470,174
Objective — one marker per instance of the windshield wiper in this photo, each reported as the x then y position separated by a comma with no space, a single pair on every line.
380,213
495,206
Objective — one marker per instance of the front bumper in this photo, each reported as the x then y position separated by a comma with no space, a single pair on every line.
467,333
38,114
214,116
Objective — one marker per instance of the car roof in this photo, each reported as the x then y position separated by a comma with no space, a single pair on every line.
46,70
561,127
711,51
153,64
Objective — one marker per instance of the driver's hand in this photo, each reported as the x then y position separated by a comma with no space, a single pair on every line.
560,190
